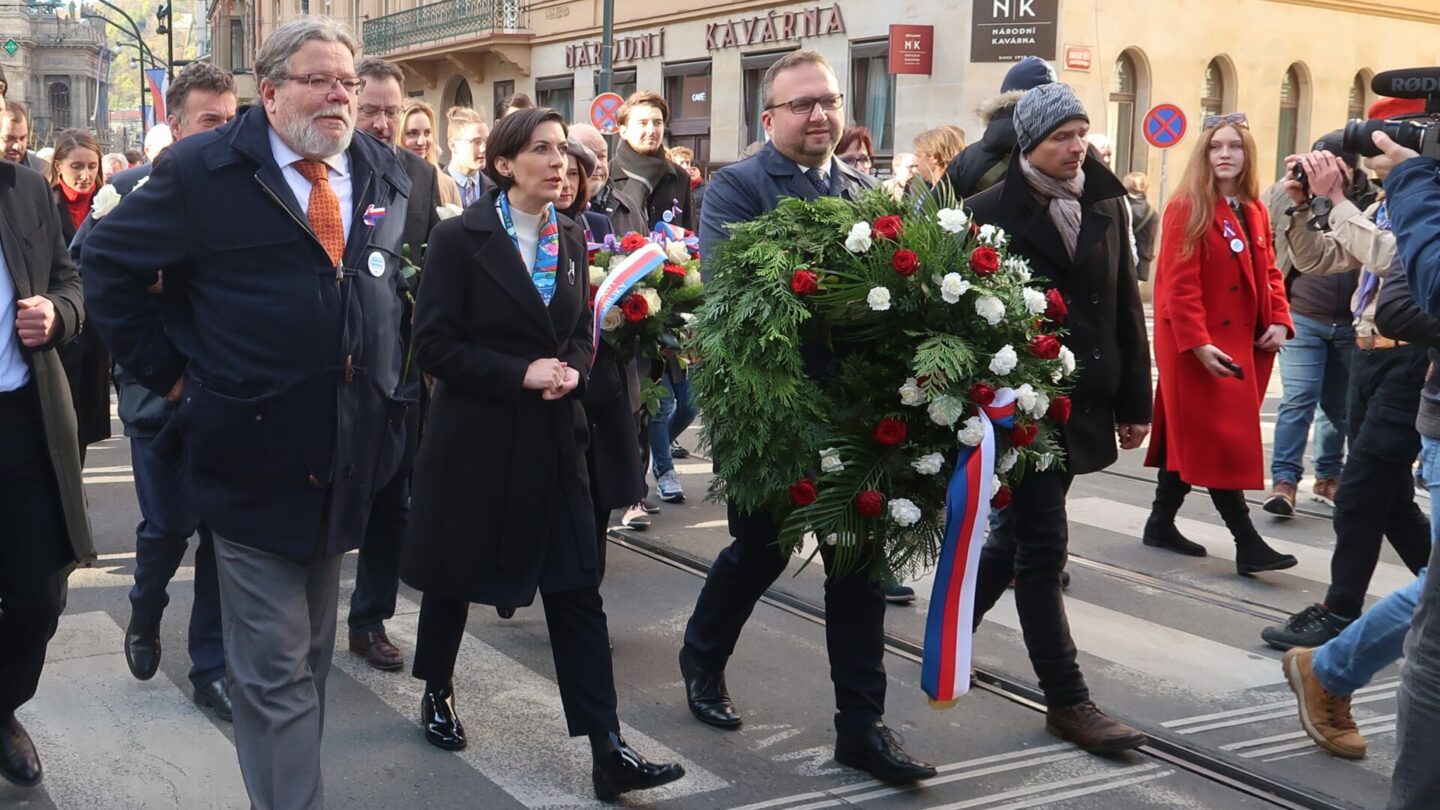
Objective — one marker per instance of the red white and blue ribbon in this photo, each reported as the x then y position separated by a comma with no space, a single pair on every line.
945,670
373,215
622,277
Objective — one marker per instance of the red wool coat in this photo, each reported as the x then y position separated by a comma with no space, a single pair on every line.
1210,427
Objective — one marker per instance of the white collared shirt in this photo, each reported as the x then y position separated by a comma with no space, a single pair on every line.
14,373
300,187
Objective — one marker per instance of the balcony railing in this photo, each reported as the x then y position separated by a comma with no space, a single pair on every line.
446,20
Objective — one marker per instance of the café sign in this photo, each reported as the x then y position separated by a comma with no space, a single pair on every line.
777,26
624,49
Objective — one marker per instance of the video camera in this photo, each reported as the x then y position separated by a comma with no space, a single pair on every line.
1419,132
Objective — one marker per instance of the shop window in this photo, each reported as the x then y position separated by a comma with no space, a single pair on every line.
1129,93
752,129
687,91
557,93
622,81
871,103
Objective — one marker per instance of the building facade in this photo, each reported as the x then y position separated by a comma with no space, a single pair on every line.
59,68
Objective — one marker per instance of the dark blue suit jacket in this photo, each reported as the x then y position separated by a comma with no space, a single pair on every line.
289,413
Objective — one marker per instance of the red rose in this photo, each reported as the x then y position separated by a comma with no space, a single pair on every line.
984,260
675,269
804,282
632,242
635,308
1023,435
803,492
890,432
1055,308
905,262
870,504
1000,499
982,394
1059,409
594,291
888,228
1045,347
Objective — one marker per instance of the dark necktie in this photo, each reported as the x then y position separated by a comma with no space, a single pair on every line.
1240,215
819,181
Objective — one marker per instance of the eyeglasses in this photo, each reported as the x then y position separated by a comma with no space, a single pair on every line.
856,160
372,111
325,82
806,104
1238,119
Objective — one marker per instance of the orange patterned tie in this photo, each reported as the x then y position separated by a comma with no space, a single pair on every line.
324,212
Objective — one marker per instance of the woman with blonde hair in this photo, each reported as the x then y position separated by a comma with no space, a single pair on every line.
1221,316
935,148
417,134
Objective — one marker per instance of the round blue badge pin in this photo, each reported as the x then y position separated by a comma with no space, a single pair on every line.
376,264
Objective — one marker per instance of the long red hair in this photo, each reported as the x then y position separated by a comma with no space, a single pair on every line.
1199,189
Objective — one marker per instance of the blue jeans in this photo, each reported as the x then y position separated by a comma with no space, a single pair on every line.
1314,370
1377,639
677,411
167,520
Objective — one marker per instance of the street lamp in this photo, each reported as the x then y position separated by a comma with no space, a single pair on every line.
140,46
162,16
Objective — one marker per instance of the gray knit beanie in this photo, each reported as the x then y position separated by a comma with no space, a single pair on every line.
1044,109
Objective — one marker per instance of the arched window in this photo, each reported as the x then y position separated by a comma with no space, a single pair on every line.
1359,93
463,97
59,95
1123,98
1292,94
1214,101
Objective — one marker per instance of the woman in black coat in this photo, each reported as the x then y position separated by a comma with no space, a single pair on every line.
501,504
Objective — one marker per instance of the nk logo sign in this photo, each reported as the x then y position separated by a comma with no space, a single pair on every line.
1010,30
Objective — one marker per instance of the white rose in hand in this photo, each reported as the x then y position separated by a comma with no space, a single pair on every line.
614,319
105,201
652,299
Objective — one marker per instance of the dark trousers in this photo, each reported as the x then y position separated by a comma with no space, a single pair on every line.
854,618
579,640
167,519
1029,546
602,537
35,554
377,569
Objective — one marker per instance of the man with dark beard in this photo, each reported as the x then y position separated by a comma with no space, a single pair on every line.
283,350
640,169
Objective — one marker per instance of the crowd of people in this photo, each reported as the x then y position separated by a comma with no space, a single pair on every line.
275,381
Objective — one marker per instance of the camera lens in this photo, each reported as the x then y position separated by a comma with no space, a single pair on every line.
1357,137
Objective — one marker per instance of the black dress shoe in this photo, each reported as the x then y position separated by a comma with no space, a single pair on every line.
215,696
18,761
707,696
876,750
505,612
620,769
142,649
442,725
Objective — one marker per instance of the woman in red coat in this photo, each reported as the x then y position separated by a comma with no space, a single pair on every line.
1220,317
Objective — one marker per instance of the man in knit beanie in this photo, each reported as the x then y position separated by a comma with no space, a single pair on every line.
1064,214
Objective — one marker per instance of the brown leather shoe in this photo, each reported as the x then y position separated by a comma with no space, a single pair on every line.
377,650
1088,727
1325,490
1324,715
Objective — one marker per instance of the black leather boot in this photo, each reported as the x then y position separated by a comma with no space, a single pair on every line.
707,696
876,750
1252,553
620,769
442,725
1160,531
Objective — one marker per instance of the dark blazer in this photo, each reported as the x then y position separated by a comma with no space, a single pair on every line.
625,214
289,412
501,502
87,365
1107,319
420,214
671,186
38,263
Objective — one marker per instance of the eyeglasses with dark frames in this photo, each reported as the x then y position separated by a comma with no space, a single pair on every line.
1213,121
856,160
804,105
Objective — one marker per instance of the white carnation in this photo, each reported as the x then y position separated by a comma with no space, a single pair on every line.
1043,463
991,309
878,299
1019,267
910,392
104,201
1004,360
1056,375
952,286
996,484
973,433
1035,302
1007,462
652,299
1041,405
677,252
904,512
1025,397
1067,360
945,410
858,241
991,235
953,220
928,464
830,460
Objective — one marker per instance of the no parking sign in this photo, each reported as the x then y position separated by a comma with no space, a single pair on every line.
605,112
1164,126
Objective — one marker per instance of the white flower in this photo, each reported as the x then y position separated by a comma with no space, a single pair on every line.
448,210
952,286
991,235
878,299
1056,375
1025,397
928,464
597,275
904,512
614,319
990,308
1035,302
858,241
945,410
1007,462
1043,463
830,460
1041,406
973,433
142,182
910,393
693,278
1067,360
953,220
677,252
996,484
1004,360
652,299
104,202
1019,267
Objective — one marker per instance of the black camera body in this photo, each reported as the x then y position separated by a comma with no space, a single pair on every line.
1419,132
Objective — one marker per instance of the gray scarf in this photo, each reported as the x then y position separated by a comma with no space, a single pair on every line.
1063,199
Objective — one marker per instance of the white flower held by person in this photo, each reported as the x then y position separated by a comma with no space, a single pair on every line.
858,241
952,286
1035,302
904,512
878,299
104,201
991,309
910,392
830,460
945,410
614,319
677,252
972,433
1004,360
953,220
1007,462
448,210
928,464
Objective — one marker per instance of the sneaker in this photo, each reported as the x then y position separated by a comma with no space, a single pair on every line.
650,507
1281,502
1324,715
635,518
668,488
678,451
1311,627
897,594
1325,490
